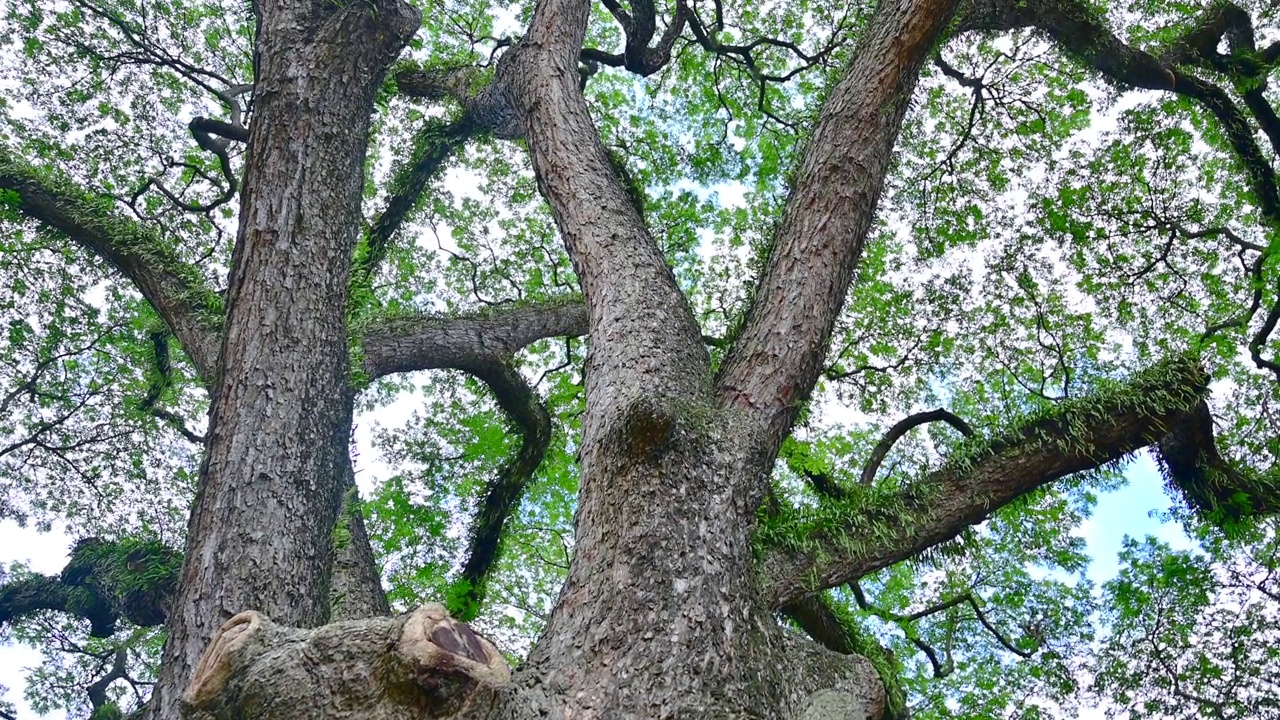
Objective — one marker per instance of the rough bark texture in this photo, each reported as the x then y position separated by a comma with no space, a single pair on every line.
774,365
276,459
422,343
421,665
667,612
661,615
356,587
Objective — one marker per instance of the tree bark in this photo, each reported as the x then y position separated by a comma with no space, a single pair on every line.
666,611
661,615
276,462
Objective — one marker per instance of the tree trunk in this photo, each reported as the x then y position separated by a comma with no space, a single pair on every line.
276,462
659,618
661,615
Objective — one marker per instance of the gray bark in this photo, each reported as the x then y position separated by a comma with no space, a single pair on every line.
661,615
276,458
665,612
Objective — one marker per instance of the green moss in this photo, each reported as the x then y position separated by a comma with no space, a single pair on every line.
129,242
869,516
128,565
108,711
886,664
341,536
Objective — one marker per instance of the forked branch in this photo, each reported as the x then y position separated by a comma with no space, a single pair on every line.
645,340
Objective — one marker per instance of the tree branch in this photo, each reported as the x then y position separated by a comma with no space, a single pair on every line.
1078,30
97,691
434,83
102,582
175,289
821,549
27,595
821,623
966,598
638,29
433,144
772,368
426,343
485,110
902,428
355,590
1211,486
645,342
521,404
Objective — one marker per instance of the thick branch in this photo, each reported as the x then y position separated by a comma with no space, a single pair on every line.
431,83
355,589
773,366
821,623
27,595
426,343
518,400
103,582
97,691
1210,485
175,289
1083,435
645,343
485,110
638,29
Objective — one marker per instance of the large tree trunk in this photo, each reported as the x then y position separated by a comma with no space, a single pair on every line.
659,618
666,611
276,462
662,614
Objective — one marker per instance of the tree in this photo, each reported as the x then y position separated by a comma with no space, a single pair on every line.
1177,650
701,515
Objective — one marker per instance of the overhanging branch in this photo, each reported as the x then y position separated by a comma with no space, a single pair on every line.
432,145
103,582
429,343
902,427
638,29
502,496
174,288
825,548
1081,32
